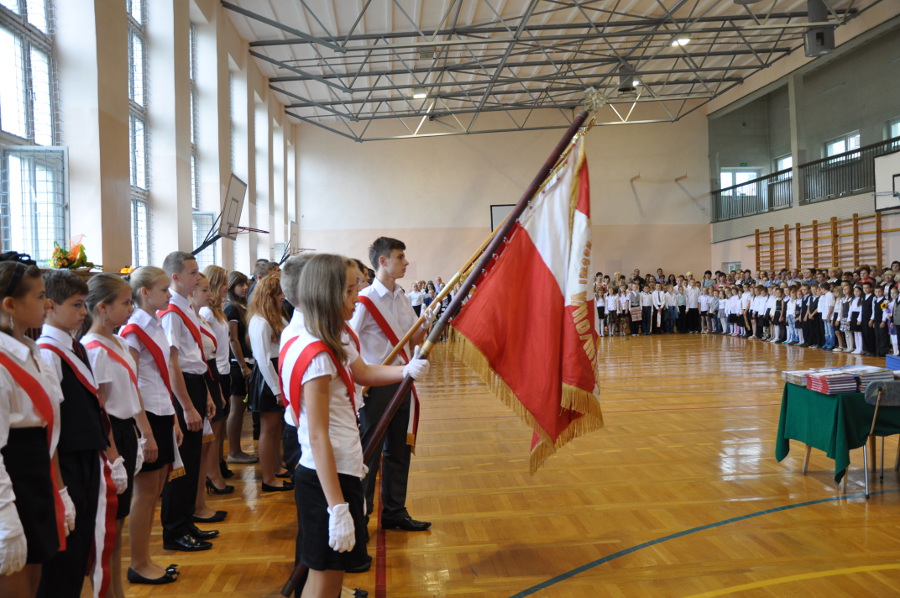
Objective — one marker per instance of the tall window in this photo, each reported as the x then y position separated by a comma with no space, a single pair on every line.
784,162
844,143
138,132
201,221
32,172
894,132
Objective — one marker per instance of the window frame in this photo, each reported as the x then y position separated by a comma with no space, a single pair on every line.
139,157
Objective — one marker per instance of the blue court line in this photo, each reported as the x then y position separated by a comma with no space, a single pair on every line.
568,574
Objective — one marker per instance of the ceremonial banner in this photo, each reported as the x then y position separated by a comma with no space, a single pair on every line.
528,328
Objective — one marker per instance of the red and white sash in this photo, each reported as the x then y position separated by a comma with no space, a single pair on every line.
413,425
157,352
311,347
105,525
81,369
192,327
42,405
115,356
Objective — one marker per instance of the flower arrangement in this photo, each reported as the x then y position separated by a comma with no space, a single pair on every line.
72,259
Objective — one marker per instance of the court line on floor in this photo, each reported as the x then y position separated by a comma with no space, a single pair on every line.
792,578
586,567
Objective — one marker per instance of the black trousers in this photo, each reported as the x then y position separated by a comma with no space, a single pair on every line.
646,318
180,494
393,452
63,576
868,335
882,340
693,319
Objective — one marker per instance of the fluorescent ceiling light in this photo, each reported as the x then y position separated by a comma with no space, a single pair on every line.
681,41
419,93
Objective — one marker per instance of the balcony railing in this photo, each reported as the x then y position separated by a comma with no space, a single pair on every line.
849,173
844,174
765,194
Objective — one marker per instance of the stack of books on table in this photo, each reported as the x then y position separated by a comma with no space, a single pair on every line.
832,382
797,377
868,373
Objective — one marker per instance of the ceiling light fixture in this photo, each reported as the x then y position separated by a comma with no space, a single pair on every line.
681,41
419,93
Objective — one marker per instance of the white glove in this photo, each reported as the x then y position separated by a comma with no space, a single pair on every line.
119,475
429,316
13,545
341,536
416,368
139,461
69,507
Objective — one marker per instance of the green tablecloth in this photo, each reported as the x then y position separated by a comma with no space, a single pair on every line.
835,424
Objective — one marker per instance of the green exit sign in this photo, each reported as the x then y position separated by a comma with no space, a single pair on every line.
743,164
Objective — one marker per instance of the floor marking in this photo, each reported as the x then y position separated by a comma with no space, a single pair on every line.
586,567
790,578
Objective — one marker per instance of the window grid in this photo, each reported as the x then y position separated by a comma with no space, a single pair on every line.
139,137
195,157
140,231
33,193
202,222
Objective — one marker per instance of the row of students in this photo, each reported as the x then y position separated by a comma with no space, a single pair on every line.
826,316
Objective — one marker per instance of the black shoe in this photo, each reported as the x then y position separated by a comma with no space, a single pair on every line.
365,566
186,543
285,486
223,467
219,516
210,487
200,534
286,475
135,577
407,524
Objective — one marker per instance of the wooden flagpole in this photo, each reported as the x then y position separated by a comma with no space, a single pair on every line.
493,243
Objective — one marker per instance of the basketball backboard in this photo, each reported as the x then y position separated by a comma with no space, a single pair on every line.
887,181
232,206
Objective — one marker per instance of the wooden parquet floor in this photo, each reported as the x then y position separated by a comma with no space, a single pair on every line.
679,495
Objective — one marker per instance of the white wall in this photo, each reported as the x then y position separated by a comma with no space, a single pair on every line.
435,194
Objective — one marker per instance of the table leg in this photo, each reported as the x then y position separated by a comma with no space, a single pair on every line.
806,459
873,448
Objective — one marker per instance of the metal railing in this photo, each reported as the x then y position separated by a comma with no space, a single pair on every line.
844,174
764,194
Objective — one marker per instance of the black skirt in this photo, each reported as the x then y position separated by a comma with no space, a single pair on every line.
28,465
215,391
261,397
124,434
161,426
238,382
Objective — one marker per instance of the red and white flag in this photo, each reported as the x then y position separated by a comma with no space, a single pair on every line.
529,326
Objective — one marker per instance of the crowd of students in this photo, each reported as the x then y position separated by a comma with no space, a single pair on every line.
825,309
136,382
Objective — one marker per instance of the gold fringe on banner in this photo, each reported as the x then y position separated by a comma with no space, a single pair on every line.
591,420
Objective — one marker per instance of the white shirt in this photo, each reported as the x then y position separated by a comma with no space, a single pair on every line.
416,298
770,304
659,299
826,304
190,356
396,310
16,407
670,299
343,430
208,336
646,299
220,329
122,399
154,391
703,301
692,298
746,298
264,350
610,303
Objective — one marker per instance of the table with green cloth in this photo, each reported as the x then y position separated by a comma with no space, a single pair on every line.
835,424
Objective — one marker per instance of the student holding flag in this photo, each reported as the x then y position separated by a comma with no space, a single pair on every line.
382,317
320,365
